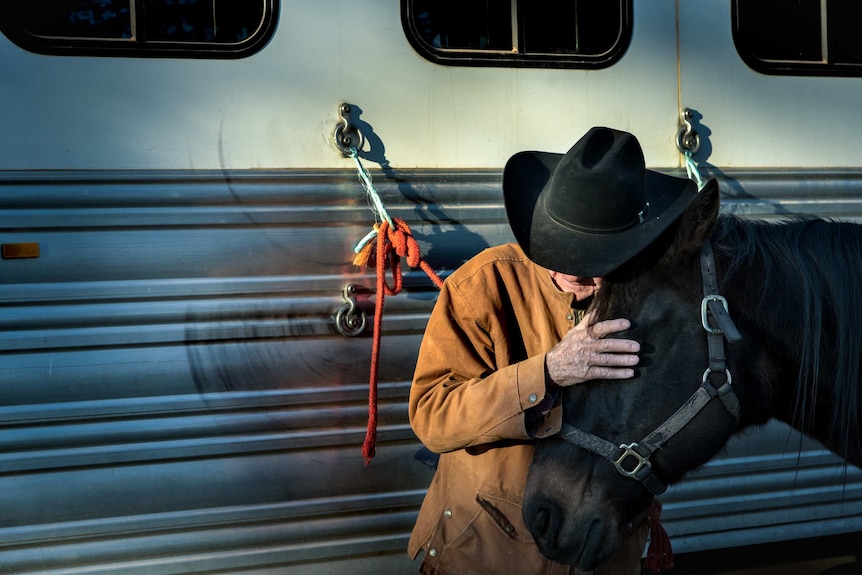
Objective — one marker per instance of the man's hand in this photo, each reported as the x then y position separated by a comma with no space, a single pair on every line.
584,353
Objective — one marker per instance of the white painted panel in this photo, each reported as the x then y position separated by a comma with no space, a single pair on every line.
277,109
759,120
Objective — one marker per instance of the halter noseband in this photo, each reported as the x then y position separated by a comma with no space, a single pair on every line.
633,460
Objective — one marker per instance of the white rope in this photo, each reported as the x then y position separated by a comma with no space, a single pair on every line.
693,171
377,206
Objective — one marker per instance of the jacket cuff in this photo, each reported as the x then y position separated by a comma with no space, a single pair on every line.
548,424
543,414
531,381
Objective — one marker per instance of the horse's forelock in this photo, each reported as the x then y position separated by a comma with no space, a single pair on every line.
621,289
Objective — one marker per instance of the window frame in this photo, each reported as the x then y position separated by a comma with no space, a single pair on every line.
131,48
823,67
504,58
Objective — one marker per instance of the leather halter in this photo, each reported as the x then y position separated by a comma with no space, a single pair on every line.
633,459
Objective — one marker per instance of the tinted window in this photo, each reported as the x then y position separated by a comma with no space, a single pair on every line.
845,41
73,18
800,37
213,28
561,33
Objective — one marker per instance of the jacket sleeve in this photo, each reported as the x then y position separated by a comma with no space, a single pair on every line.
466,391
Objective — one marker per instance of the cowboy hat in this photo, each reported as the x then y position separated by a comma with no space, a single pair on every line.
590,210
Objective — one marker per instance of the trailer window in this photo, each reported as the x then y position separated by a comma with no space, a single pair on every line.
167,28
547,33
804,37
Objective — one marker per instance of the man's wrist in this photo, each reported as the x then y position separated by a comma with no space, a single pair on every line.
550,385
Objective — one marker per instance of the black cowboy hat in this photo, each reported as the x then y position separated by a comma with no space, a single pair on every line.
590,210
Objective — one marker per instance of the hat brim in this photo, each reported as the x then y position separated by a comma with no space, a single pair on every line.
564,249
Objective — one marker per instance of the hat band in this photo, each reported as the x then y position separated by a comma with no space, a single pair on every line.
641,218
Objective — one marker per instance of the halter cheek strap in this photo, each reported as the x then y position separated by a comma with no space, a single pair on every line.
633,460
715,306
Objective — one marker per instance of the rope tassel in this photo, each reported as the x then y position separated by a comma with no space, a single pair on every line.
660,554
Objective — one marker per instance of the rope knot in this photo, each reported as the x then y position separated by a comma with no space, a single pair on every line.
404,242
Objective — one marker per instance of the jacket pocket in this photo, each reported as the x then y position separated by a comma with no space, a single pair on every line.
493,542
501,519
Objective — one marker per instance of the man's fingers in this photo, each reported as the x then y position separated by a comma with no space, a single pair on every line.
614,360
614,345
609,326
596,372
585,353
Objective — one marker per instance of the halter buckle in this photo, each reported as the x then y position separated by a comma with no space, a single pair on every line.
704,320
629,451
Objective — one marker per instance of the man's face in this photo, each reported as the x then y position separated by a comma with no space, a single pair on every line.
582,287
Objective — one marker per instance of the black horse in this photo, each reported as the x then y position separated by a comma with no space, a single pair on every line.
792,290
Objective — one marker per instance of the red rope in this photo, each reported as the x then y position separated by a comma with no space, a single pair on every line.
392,245
660,554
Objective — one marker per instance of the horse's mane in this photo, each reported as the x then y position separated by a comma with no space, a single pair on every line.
813,264
818,261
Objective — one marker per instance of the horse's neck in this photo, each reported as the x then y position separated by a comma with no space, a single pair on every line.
802,329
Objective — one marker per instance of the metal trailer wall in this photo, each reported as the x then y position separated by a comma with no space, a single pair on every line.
174,396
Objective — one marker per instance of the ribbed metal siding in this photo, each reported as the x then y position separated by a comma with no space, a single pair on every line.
174,397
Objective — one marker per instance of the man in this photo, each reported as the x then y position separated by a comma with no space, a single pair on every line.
510,328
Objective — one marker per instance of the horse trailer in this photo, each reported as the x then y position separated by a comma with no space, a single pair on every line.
186,342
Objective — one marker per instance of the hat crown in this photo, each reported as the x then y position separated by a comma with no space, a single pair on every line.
584,213
599,184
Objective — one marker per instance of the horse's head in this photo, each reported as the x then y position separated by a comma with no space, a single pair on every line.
577,504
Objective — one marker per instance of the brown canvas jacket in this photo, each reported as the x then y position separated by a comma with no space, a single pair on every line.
480,368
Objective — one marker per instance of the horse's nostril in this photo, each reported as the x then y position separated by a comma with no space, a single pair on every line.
541,521
543,518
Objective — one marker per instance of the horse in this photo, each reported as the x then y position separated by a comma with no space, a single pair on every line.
789,297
